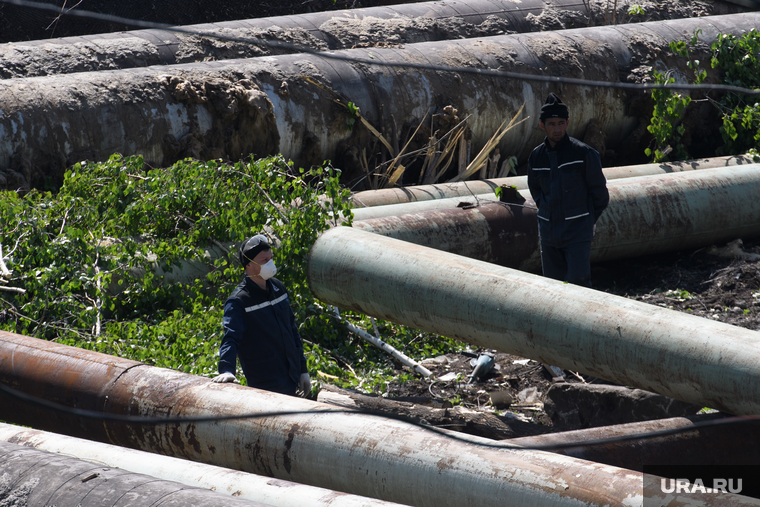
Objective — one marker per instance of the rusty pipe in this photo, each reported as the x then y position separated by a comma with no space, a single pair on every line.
317,31
647,214
31,477
706,446
678,355
240,485
614,175
207,110
342,29
403,195
351,452
487,230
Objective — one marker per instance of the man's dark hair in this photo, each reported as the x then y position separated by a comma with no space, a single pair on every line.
251,247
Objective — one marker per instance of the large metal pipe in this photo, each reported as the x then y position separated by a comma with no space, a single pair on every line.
614,175
500,233
648,214
209,110
400,24
351,452
716,445
465,201
241,485
678,355
737,444
416,193
317,31
30,477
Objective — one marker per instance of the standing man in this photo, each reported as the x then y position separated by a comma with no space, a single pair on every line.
566,181
260,328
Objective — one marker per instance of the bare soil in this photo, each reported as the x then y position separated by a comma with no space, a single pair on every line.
710,283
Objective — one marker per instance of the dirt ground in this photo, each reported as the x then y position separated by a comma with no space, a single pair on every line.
702,282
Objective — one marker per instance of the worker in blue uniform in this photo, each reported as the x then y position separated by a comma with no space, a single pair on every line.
567,184
260,328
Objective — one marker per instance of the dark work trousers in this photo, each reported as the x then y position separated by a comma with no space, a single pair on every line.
568,264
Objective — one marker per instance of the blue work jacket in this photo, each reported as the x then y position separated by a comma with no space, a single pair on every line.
569,188
260,330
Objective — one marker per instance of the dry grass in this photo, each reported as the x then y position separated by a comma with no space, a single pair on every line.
444,146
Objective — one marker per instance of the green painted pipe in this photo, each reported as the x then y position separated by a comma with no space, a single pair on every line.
631,343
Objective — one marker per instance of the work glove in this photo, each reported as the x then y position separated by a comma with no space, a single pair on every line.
225,377
304,383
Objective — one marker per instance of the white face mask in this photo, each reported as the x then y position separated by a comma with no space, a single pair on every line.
268,270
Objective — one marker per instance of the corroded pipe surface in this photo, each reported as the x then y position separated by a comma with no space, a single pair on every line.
446,204
679,211
240,485
30,477
207,110
405,23
647,214
392,196
717,445
350,452
678,355
504,234
397,24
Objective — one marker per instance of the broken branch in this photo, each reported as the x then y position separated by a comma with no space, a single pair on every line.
377,342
